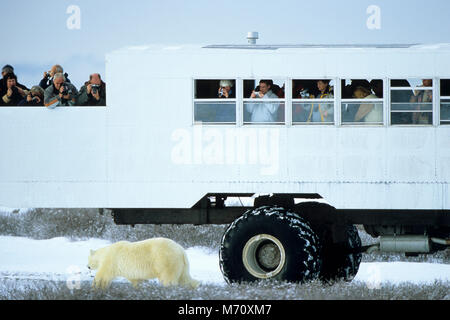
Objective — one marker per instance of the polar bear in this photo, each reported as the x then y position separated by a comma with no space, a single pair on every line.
138,261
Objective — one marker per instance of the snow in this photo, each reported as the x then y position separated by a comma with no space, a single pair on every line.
59,259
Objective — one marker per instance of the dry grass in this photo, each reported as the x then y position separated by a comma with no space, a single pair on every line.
268,290
79,224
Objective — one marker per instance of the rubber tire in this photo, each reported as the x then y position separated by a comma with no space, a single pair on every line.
337,265
300,243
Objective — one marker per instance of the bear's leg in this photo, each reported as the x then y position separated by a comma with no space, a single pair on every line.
101,283
167,279
102,279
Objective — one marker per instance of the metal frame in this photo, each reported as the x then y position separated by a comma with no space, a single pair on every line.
433,108
194,100
337,100
205,214
440,103
244,100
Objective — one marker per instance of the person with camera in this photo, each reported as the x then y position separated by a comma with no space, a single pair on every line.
60,93
226,89
13,92
35,98
263,111
5,70
93,93
47,81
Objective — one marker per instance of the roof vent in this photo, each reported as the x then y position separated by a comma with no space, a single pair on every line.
252,37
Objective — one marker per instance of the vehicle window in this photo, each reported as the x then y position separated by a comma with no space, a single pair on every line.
313,101
412,101
362,101
445,101
264,101
215,101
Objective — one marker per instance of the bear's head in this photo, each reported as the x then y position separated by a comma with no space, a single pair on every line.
93,260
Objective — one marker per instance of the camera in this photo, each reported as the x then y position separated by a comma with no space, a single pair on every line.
95,88
65,90
15,90
304,93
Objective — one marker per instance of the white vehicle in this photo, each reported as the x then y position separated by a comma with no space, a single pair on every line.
348,135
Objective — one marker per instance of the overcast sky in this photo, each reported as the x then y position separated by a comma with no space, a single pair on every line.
36,35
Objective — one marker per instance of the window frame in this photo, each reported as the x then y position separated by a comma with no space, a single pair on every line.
338,102
383,100
439,103
297,100
243,100
230,100
433,104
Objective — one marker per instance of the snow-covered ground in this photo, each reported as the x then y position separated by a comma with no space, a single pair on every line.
63,260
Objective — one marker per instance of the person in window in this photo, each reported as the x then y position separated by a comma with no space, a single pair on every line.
302,89
93,93
279,91
47,81
322,112
34,98
226,89
223,113
367,112
60,93
422,96
263,112
13,92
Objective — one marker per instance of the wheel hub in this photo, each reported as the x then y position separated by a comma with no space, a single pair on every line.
268,255
264,256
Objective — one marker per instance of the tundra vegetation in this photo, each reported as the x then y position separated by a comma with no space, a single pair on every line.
82,224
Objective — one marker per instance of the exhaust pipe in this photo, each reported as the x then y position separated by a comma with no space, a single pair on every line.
407,243
445,242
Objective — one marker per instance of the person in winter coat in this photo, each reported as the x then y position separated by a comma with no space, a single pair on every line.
263,111
322,112
367,112
35,98
13,92
47,81
5,70
60,93
93,93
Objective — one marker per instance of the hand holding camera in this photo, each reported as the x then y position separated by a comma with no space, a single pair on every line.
94,88
95,92
31,98
13,90
223,93
256,94
64,91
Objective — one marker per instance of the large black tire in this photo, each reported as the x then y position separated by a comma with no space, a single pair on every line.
269,243
341,262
